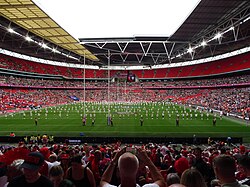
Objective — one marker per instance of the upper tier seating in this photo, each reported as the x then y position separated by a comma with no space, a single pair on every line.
236,63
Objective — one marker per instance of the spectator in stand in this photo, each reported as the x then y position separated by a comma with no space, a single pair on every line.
158,158
180,164
128,165
202,166
14,170
80,175
97,164
65,161
192,178
12,135
244,164
242,149
56,175
225,168
31,176
172,178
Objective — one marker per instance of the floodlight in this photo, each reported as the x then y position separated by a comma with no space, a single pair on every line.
28,38
55,50
44,45
203,43
218,35
190,50
10,30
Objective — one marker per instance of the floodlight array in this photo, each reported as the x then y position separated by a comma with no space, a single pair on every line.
41,44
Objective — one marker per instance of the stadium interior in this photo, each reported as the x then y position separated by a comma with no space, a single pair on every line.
128,111
204,65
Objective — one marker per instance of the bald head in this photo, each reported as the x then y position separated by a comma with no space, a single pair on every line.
128,164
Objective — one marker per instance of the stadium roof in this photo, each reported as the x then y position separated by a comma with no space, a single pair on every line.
34,21
214,27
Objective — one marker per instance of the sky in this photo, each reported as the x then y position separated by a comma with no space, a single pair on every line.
118,18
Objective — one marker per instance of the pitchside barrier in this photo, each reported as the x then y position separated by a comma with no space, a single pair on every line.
135,140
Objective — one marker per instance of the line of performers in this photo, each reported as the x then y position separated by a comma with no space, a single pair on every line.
177,121
110,121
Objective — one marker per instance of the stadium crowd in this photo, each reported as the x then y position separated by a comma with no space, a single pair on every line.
229,101
15,99
213,164
22,81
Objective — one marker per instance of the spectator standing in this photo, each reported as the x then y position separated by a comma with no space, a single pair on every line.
192,178
225,168
244,164
128,165
56,175
80,175
205,169
31,176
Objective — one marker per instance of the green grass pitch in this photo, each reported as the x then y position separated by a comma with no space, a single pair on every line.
159,120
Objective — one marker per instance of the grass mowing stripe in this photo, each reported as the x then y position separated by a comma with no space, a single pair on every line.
126,120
